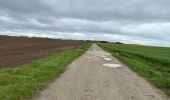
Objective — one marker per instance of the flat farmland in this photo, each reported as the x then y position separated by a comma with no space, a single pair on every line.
150,62
20,50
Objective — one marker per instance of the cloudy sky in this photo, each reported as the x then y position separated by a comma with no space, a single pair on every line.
130,21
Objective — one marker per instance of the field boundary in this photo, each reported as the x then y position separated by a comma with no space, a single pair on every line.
16,51
25,81
156,74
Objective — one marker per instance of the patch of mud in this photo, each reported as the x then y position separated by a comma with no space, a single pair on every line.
111,65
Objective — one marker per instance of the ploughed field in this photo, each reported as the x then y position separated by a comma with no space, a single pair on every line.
151,62
20,50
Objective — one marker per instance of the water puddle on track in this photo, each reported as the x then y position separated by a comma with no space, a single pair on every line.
87,57
108,59
112,65
103,56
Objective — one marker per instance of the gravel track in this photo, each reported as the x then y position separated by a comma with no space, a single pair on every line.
87,79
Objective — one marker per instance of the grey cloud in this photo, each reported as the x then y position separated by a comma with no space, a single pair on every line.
102,10
131,21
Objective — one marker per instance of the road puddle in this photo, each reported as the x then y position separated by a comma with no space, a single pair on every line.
87,57
108,59
111,65
103,56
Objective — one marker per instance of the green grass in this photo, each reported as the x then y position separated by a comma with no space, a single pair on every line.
24,82
85,46
150,62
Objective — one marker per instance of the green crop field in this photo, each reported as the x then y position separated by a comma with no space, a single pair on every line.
150,62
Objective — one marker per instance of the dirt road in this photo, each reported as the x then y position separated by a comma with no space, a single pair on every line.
98,76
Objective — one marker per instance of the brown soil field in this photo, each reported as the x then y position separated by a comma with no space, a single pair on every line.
20,50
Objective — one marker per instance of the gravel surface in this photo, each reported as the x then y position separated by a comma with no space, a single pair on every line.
87,79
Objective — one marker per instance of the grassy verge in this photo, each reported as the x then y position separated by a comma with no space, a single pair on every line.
157,73
85,46
27,80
